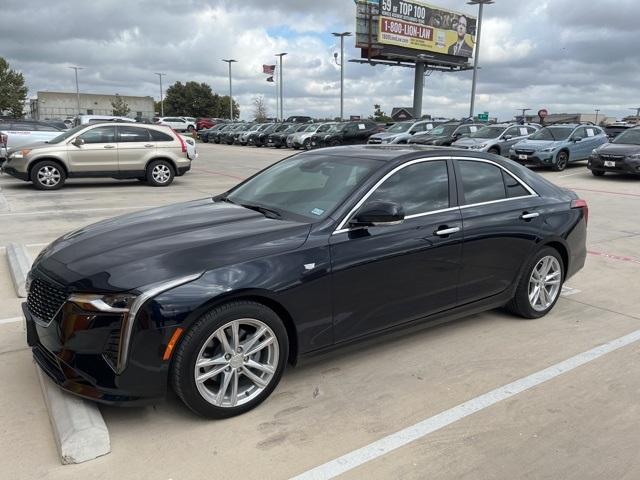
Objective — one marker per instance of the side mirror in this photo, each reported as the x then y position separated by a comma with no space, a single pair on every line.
577,139
508,137
78,142
378,213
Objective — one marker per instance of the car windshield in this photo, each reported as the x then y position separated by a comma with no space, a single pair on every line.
400,127
630,137
310,186
552,133
336,127
488,132
63,136
442,130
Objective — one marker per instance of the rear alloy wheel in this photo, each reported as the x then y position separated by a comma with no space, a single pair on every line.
597,173
494,150
47,175
540,286
561,161
160,173
230,360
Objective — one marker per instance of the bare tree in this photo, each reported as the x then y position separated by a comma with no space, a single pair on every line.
259,108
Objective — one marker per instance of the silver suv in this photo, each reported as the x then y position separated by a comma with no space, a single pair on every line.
155,154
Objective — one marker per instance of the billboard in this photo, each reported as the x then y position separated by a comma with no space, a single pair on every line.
419,26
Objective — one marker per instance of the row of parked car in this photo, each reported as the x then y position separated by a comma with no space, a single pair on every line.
553,146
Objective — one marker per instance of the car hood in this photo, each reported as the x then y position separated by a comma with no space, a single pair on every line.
619,149
33,146
150,246
383,135
539,144
302,135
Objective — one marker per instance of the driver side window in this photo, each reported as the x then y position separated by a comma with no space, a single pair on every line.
419,188
104,134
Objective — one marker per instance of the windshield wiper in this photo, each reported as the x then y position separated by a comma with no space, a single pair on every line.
267,212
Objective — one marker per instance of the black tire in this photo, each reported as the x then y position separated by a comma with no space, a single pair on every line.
190,128
562,160
494,150
597,173
48,175
334,143
205,139
184,360
160,173
520,304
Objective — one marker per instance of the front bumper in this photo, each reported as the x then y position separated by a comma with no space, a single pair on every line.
535,158
74,353
621,165
9,170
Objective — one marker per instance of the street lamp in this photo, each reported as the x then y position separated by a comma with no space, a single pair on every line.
161,98
481,4
230,61
597,112
77,89
637,109
281,98
341,35
524,111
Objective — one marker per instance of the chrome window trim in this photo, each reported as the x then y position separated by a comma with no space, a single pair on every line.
345,219
149,292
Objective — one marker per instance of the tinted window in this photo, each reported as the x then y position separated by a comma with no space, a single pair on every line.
133,134
513,187
552,133
481,182
515,131
105,134
419,188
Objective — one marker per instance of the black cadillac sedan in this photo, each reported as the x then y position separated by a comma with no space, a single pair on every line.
214,297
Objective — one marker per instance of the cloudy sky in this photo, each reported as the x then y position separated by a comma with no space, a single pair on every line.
565,55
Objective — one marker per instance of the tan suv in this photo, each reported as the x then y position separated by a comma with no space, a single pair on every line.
151,153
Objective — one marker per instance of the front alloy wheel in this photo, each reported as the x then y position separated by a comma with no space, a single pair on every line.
230,360
47,175
562,161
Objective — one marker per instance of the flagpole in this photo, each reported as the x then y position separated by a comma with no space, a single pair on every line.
275,84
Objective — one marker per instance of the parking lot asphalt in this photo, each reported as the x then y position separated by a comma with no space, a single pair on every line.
582,424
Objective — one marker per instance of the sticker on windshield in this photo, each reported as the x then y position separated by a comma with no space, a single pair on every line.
473,128
590,132
429,126
362,126
317,211
523,131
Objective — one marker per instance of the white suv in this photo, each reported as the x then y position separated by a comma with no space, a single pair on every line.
177,123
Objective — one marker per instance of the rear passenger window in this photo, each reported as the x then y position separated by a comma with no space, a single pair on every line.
420,188
157,136
133,134
513,187
481,182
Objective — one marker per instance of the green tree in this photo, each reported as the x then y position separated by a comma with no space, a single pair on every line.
379,115
13,91
223,108
120,107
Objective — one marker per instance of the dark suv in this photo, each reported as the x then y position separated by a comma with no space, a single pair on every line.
444,135
348,133
622,155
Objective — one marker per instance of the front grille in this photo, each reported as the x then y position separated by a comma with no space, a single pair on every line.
45,300
525,152
375,140
112,348
616,158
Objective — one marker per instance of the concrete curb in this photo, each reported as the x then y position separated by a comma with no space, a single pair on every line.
78,428
19,265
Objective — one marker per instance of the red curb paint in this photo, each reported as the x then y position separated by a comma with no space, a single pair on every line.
614,257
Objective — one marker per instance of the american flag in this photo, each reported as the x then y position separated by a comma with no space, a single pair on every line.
268,69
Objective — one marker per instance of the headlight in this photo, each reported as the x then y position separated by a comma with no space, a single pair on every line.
635,156
478,147
109,303
20,153
547,150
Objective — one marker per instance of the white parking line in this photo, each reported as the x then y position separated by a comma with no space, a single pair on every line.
86,210
410,434
5,321
581,172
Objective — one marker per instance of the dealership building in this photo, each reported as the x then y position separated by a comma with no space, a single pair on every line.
60,105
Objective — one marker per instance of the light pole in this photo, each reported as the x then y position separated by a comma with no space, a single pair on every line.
637,109
77,89
230,61
341,35
481,4
524,111
281,98
597,112
161,98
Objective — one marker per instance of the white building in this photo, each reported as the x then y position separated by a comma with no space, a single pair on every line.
60,105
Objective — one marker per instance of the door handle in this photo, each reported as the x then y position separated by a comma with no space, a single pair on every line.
109,146
149,145
446,231
529,216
